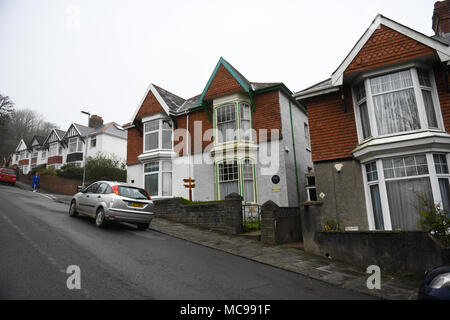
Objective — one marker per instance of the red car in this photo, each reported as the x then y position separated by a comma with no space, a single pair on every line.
8,176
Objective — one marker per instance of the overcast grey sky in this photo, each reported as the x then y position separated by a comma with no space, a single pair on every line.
54,63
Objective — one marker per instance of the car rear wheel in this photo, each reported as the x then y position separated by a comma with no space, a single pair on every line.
73,209
143,226
100,220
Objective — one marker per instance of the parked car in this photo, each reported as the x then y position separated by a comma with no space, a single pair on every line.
8,176
113,201
436,285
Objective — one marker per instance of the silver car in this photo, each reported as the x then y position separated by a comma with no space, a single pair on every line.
113,201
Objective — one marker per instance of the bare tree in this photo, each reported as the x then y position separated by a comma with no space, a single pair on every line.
22,124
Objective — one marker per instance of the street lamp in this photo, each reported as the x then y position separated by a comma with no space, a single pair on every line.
85,149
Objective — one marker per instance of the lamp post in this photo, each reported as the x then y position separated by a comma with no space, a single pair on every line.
85,149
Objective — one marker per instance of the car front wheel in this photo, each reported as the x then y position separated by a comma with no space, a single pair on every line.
100,220
73,209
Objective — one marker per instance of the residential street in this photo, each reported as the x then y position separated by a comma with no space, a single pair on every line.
39,241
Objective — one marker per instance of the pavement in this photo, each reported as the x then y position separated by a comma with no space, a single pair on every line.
287,257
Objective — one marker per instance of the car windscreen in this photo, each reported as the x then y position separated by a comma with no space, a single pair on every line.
133,193
7,171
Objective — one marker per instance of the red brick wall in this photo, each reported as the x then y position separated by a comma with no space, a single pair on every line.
134,146
387,46
33,160
267,113
332,131
206,125
444,96
223,83
149,106
53,184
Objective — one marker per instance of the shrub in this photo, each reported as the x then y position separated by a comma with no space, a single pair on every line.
434,220
102,167
70,171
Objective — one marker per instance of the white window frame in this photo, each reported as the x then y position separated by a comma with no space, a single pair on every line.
159,172
78,145
160,134
432,175
93,139
307,137
417,94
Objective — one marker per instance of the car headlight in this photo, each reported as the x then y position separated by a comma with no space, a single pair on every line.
441,281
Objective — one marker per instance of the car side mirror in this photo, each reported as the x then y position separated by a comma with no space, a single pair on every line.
80,189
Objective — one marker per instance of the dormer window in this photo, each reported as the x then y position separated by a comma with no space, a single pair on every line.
158,135
396,102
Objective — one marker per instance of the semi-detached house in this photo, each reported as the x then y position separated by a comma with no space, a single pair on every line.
380,126
235,136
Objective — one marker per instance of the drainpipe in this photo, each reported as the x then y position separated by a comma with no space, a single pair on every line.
295,154
187,142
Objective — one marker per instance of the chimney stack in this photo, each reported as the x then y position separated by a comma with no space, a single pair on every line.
441,18
95,121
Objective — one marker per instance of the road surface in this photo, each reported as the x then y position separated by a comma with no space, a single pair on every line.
39,241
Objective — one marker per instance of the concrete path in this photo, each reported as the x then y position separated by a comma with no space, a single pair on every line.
293,259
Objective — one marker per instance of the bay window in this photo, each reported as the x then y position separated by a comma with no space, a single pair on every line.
158,178
75,145
395,188
396,102
233,122
157,135
234,176
53,150
226,123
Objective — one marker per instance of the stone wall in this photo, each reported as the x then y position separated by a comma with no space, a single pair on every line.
280,224
400,252
223,216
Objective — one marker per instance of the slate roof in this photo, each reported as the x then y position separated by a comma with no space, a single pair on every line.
60,133
84,130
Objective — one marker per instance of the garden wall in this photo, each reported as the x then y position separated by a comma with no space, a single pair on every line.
54,184
280,224
223,216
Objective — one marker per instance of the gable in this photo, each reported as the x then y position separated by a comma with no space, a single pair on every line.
22,146
72,132
387,46
149,106
53,137
222,83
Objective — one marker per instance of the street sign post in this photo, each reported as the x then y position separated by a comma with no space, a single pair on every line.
189,183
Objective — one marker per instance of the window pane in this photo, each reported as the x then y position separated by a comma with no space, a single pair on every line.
228,187
440,163
391,82
396,112
151,126
360,91
226,123
364,120
424,77
166,139
167,166
405,166
166,183
371,169
376,207
445,193
151,184
429,109
404,202
151,167
151,141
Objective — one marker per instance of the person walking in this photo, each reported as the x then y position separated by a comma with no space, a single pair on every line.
35,182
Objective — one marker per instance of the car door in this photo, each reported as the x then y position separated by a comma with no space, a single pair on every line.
87,201
98,197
